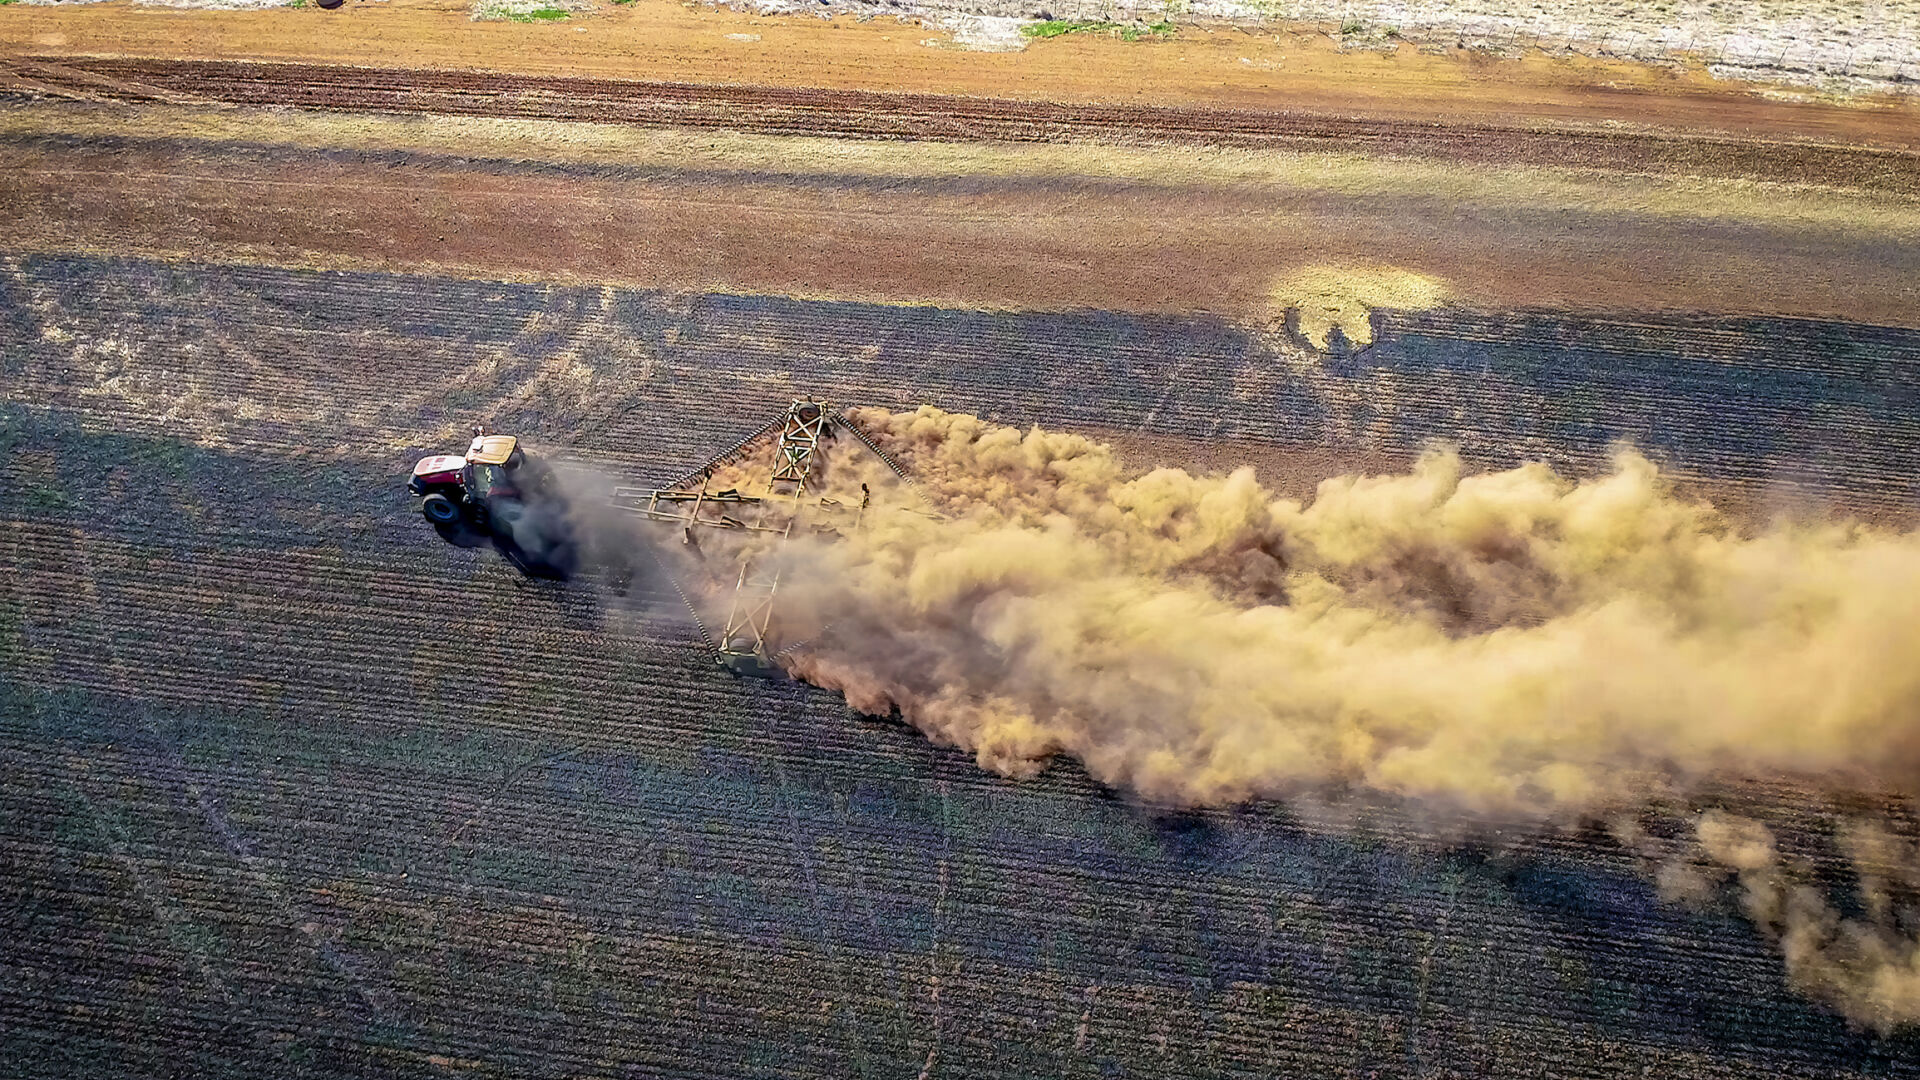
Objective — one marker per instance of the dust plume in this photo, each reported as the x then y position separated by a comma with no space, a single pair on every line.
1868,964
1326,297
1510,646
562,525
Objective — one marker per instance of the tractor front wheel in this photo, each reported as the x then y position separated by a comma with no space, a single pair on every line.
440,510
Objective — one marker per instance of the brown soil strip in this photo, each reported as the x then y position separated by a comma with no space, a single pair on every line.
1018,244
102,84
877,115
14,81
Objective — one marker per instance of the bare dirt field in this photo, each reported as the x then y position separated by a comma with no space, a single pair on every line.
288,787
1225,68
266,744
1112,229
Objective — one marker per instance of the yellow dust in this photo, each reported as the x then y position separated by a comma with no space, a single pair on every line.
1330,296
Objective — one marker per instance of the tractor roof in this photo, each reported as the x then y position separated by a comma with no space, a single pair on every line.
491,449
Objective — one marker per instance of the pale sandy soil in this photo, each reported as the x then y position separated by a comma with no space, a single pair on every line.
1835,45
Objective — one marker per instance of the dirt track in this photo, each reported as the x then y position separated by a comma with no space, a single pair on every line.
870,114
662,40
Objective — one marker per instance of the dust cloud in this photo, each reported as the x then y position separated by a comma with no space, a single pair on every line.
563,526
1869,964
1326,297
1504,647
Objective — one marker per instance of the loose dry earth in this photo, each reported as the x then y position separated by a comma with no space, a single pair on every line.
292,789
1272,70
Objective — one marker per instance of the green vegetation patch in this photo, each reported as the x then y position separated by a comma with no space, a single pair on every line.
524,11
1053,28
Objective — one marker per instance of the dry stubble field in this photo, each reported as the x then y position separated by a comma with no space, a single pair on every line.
290,788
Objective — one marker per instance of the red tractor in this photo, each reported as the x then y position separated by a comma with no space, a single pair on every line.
497,494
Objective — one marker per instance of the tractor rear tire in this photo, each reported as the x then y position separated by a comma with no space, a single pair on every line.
329,4
439,509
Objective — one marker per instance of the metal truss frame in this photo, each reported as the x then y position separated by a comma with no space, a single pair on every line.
745,643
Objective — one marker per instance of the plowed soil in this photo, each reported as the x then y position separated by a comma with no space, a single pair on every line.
970,230
293,786
868,114
289,788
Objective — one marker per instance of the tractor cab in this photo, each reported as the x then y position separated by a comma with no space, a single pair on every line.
494,468
501,450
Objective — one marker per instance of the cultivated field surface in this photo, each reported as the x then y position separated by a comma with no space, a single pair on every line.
293,786
288,787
